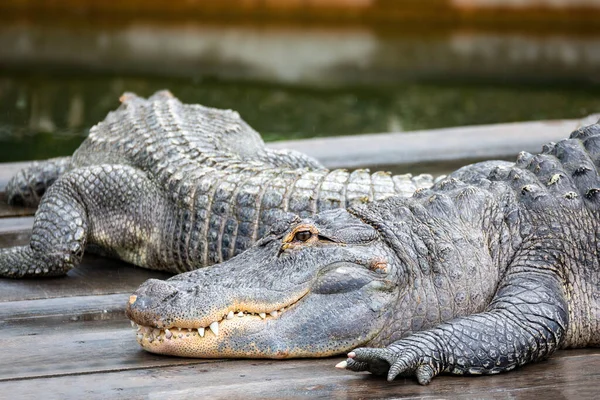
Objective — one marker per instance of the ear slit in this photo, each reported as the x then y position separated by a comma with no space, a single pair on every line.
326,239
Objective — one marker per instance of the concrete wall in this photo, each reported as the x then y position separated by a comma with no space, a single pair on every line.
297,55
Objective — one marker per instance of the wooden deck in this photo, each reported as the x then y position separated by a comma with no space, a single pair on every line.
69,338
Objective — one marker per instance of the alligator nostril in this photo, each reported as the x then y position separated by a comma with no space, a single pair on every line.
151,293
156,287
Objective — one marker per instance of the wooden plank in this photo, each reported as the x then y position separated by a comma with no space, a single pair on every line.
46,348
462,143
572,374
15,231
15,224
58,355
62,309
56,350
95,276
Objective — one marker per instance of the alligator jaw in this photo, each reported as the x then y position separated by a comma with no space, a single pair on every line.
207,341
203,342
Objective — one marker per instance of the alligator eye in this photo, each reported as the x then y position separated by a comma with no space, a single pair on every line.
302,236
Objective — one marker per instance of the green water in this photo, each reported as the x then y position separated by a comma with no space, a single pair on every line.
47,115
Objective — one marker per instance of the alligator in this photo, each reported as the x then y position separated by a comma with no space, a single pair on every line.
493,267
174,187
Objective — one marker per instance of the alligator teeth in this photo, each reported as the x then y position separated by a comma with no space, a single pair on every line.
151,334
214,327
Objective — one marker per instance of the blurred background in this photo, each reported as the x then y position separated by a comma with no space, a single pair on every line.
295,68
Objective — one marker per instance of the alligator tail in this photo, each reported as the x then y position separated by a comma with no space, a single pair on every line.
27,187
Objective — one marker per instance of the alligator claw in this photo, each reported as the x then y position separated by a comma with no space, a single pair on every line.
374,360
391,363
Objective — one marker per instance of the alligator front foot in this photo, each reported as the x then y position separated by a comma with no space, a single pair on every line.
403,359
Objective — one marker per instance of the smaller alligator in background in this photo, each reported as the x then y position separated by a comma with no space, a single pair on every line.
492,268
174,187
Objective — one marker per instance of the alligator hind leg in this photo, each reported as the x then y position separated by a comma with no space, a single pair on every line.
109,206
27,187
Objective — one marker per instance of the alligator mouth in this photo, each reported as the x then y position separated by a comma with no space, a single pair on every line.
210,341
150,334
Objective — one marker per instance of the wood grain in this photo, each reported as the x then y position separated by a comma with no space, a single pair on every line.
572,375
497,141
95,276
50,348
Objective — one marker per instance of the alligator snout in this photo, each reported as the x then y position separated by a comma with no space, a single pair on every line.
149,296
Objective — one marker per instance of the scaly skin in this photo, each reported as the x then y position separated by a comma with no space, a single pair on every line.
492,268
174,187
28,186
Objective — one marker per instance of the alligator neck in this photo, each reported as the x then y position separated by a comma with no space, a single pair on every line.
441,243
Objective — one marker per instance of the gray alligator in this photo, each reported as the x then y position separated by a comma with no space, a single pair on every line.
174,187
493,267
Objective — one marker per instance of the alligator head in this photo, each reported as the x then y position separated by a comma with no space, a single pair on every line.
312,287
